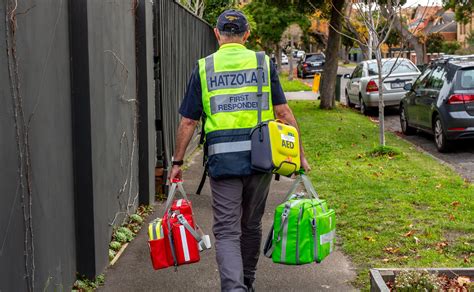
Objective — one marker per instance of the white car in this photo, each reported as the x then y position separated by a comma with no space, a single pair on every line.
284,59
362,86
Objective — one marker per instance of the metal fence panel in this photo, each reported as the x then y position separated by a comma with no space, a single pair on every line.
182,40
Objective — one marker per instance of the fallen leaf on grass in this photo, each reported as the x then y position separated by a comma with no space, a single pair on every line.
455,204
369,238
359,155
409,233
467,259
441,245
385,260
391,250
438,186
353,145
451,217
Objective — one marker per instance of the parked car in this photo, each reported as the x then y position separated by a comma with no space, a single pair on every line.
441,102
284,59
310,64
362,86
298,54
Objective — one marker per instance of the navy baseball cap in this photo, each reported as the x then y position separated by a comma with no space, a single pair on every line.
232,21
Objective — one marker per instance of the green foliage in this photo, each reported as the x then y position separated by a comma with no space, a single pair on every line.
402,211
293,85
112,254
129,235
271,21
384,151
470,39
434,42
120,237
394,38
213,8
416,280
115,245
136,218
84,284
450,47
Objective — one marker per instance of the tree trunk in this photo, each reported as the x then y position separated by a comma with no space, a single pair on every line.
328,78
278,57
378,56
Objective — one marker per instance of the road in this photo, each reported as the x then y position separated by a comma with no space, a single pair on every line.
461,158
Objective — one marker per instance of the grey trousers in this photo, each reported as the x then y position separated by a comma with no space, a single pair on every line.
238,206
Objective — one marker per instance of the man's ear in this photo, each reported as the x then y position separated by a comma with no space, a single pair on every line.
216,33
246,35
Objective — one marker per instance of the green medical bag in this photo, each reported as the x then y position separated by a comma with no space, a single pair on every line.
304,229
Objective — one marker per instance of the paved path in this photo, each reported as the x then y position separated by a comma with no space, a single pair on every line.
133,271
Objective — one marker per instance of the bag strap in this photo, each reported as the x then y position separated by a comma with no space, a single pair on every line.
203,180
260,76
175,185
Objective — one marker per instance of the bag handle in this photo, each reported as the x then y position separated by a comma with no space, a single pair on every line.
176,184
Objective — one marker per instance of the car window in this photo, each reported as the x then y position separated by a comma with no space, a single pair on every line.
466,79
422,81
357,73
436,79
314,58
402,66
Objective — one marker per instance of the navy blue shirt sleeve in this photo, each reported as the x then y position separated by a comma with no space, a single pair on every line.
278,97
191,106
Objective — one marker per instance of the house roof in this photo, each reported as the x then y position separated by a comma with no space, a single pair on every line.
442,21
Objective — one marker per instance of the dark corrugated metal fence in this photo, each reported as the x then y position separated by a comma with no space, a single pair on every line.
182,38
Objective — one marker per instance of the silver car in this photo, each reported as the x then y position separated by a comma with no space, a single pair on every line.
362,86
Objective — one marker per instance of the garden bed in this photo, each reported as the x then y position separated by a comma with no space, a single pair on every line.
382,280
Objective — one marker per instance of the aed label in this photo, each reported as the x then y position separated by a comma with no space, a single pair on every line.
287,144
288,138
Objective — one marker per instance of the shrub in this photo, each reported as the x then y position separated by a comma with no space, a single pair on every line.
136,218
115,245
384,151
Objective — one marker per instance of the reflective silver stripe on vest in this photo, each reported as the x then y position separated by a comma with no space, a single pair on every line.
237,102
327,237
231,79
228,147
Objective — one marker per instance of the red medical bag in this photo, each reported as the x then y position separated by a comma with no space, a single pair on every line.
176,239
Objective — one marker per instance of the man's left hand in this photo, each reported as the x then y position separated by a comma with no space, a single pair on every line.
305,164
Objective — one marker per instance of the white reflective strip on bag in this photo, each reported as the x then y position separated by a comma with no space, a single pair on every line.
179,203
184,242
327,237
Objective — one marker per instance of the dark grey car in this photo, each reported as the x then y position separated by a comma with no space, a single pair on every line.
441,102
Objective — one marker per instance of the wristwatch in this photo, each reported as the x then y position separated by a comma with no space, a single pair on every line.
177,162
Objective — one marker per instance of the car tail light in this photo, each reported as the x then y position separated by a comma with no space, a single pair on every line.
372,86
460,98
305,65
456,129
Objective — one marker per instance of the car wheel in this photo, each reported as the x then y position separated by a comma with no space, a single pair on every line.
349,102
363,108
442,144
406,128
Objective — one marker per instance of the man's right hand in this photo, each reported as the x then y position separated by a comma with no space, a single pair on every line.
176,173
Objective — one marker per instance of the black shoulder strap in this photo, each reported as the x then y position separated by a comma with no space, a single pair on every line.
260,64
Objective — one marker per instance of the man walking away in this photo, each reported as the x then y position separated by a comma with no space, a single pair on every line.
223,88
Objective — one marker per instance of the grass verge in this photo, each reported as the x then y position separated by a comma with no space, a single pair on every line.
403,210
294,85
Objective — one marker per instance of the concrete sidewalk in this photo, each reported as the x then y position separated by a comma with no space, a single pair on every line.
133,271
